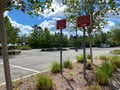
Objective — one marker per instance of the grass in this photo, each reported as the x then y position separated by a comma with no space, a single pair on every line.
44,82
103,73
88,56
103,57
115,60
55,67
117,51
80,58
68,64
95,87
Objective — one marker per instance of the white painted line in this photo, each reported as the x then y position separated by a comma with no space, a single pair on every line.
27,76
23,68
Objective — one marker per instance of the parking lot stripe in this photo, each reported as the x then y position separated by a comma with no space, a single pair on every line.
23,68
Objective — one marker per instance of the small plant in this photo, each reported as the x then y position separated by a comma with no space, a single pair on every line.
67,64
44,82
88,56
102,57
55,67
88,65
95,87
115,60
115,51
80,58
103,73
70,74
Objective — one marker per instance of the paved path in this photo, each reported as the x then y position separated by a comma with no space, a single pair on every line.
34,61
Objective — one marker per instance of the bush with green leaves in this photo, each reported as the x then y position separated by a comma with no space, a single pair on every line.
103,73
95,87
80,58
117,51
88,56
44,82
25,48
103,57
67,64
55,67
115,61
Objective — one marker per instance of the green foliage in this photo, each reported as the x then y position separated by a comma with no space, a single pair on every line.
40,38
95,87
114,35
44,82
67,64
103,57
115,51
80,58
103,73
12,33
115,61
88,56
70,74
55,67
25,47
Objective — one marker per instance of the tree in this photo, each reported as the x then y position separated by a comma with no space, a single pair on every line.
114,36
22,39
34,39
96,8
29,6
12,33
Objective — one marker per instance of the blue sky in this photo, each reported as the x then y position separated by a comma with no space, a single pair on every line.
48,19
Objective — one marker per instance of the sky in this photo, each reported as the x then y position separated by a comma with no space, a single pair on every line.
25,22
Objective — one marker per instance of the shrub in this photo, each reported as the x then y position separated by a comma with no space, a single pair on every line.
95,87
115,51
88,65
103,73
102,57
25,48
67,64
44,82
88,56
101,77
55,67
80,58
115,61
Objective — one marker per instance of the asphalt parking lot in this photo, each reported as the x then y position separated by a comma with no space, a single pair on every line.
35,61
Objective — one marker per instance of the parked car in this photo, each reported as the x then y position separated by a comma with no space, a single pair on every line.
104,46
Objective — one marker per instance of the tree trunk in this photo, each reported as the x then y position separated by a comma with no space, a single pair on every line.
5,53
90,44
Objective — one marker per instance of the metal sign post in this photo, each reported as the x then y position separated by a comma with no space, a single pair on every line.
84,52
61,24
76,42
82,22
61,51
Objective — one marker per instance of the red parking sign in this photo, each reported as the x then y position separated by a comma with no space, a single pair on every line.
61,24
84,21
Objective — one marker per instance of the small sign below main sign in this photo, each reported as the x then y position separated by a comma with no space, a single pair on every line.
84,21
61,24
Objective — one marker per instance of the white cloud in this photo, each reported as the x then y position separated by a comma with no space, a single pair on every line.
6,13
108,26
50,24
58,10
24,29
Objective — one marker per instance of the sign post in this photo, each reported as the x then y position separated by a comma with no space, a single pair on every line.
61,24
82,22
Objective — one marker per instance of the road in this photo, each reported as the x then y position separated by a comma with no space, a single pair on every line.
34,61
